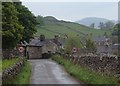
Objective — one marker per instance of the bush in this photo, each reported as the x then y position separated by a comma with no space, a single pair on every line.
90,45
72,42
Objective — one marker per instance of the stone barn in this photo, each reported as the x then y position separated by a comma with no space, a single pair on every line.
41,48
34,51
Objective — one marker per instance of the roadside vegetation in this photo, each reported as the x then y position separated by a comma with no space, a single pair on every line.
72,42
85,42
83,74
0,65
18,25
24,76
6,63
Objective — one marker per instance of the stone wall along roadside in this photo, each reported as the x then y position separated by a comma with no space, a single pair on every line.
104,63
10,73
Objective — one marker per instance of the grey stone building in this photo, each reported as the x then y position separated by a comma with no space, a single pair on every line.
41,48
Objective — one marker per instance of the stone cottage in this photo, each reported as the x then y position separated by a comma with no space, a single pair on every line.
41,48
34,51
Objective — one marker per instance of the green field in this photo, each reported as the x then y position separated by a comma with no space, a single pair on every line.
55,27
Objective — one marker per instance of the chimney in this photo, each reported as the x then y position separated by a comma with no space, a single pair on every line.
42,37
56,37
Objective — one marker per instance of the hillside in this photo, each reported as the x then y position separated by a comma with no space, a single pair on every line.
52,27
89,20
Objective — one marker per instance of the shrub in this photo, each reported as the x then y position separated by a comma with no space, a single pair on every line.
72,42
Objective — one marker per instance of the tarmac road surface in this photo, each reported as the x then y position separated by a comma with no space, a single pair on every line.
46,71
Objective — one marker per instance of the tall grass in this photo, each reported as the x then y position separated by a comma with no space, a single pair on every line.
83,74
0,65
9,62
24,76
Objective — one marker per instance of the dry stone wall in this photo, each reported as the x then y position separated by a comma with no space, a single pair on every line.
10,73
8,54
106,64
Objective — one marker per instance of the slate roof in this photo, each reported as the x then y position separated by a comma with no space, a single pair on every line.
36,42
56,42
59,42
97,39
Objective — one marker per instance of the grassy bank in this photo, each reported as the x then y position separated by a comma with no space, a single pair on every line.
83,74
24,76
0,65
9,62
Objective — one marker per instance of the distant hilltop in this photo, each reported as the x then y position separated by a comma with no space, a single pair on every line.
89,20
51,26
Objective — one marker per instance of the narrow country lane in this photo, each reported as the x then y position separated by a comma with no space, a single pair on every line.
46,71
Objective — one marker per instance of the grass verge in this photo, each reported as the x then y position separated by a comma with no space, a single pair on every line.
0,65
83,74
24,76
9,62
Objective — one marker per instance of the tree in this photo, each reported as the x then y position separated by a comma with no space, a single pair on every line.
40,20
105,34
72,42
101,25
92,25
12,30
90,45
27,20
109,25
116,30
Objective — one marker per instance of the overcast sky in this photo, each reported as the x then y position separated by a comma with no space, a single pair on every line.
73,11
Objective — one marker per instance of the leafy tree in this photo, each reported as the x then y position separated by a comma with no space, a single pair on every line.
12,31
27,20
101,25
105,34
72,42
90,45
109,25
116,30
92,25
40,20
